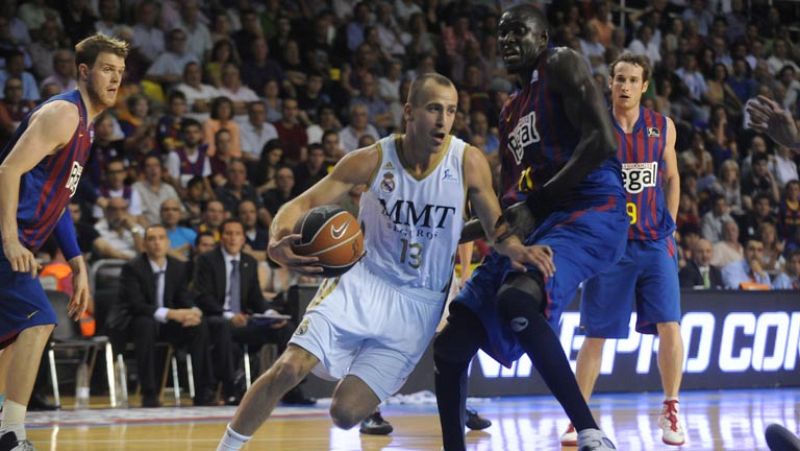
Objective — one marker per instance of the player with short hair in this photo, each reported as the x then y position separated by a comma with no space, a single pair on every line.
648,272
370,327
559,164
39,172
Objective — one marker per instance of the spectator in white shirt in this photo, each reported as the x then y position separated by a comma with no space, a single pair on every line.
196,31
152,190
780,57
713,220
358,127
121,236
198,94
63,71
255,132
644,44
168,67
233,89
147,37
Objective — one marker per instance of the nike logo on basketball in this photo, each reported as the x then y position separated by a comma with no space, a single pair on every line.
32,313
338,232
519,324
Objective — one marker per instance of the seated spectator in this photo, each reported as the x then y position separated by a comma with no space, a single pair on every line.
312,170
328,122
15,68
114,186
168,128
698,160
761,213
688,212
256,236
311,98
780,57
273,101
256,132
198,94
789,279
260,68
237,189
13,109
222,119
271,160
378,113
222,53
213,217
232,88
168,68
147,36
181,238
761,181
772,260
226,282
292,133
747,272
789,212
359,126
152,189
63,71
330,145
783,166
729,249
699,272
190,159
198,192
713,220
121,237
154,305
223,141
728,186
283,192
107,145
479,126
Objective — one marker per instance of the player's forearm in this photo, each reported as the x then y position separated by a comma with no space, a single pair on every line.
9,200
286,217
78,266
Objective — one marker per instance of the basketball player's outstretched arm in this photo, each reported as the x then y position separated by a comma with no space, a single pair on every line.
49,129
484,202
587,112
355,168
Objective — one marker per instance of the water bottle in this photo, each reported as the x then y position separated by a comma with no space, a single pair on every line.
82,387
121,382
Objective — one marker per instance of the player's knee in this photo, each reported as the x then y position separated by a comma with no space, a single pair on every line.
669,330
343,415
520,299
593,345
449,348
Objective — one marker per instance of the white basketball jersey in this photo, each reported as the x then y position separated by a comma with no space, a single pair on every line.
411,226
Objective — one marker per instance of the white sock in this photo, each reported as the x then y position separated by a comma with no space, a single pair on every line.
232,440
14,418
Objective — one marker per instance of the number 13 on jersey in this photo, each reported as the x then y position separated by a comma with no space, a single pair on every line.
633,212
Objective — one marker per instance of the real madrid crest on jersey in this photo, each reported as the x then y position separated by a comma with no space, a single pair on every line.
388,183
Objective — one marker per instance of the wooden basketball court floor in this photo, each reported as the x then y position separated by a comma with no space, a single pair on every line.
716,420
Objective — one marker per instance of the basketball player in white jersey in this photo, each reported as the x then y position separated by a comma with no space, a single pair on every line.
370,327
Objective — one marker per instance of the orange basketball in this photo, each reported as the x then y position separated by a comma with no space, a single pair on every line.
333,235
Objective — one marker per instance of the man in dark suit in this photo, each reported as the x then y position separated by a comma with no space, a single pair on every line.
226,282
698,271
154,305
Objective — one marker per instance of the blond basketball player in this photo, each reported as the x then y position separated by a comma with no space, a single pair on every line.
369,327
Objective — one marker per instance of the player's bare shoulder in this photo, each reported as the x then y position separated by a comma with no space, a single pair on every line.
565,67
360,165
56,121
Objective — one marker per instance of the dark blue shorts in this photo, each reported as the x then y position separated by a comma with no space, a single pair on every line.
23,303
648,275
583,242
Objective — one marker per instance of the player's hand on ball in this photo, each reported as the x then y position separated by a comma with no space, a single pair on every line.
281,251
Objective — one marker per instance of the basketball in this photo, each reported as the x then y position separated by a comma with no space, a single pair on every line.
331,234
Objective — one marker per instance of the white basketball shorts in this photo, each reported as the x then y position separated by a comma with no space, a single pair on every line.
360,325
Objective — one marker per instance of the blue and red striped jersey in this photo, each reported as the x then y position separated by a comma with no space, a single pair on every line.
536,141
642,155
45,190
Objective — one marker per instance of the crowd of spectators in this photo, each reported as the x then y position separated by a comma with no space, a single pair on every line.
229,109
